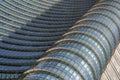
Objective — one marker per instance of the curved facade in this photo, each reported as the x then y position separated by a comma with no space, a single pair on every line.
112,71
29,27
84,50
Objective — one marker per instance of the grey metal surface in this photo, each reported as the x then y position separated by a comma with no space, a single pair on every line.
84,51
29,27
112,71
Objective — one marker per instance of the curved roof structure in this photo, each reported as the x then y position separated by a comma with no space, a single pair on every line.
84,51
29,27
58,40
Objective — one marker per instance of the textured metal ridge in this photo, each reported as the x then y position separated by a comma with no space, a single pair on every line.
88,46
112,71
29,27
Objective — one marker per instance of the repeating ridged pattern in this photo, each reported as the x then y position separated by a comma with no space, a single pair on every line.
84,51
29,27
112,71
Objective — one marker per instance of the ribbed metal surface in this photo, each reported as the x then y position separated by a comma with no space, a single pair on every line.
29,27
85,50
112,71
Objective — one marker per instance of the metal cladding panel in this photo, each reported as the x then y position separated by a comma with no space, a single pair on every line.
112,71
29,27
84,51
